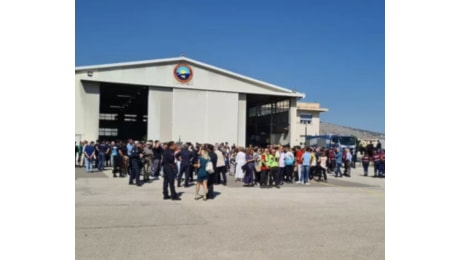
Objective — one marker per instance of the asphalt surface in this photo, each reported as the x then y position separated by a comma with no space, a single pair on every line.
341,219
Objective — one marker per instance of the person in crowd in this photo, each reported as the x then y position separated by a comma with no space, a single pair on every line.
129,148
354,159
136,164
306,159
289,160
376,161
221,169
282,165
185,156
382,163
348,161
338,163
273,162
257,165
177,162
107,154
111,154
378,146
124,162
90,154
265,168
299,153
322,163
78,153
240,160
332,160
212,177
102,149
232,163
365,162
370,149
249,174
157,154
147,160
82,162
115,158
313,164
169,172
202,174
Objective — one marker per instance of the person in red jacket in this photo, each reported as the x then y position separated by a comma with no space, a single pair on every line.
365,162
376,160
382,163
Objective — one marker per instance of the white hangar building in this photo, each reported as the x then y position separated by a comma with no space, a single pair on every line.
182,99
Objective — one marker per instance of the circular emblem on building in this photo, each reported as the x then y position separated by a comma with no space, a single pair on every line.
183,73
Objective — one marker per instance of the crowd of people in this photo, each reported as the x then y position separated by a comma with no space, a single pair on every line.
182,164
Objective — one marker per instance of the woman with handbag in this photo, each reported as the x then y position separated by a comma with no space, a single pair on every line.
202,174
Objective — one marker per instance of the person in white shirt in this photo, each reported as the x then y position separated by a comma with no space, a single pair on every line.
282,165
221,170
289,160
322,166
240,160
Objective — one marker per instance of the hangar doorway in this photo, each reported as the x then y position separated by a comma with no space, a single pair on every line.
123,112
267,120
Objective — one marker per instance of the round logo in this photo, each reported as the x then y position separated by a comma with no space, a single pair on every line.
183,73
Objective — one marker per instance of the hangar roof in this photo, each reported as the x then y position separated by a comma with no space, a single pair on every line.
121,65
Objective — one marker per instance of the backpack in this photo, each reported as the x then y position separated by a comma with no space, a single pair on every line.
209,167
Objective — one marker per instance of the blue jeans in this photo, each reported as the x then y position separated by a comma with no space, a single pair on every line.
376,168
338,170
88,164
101,161
366,168
305,176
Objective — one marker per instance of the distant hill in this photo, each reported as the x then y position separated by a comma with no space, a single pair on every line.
329,128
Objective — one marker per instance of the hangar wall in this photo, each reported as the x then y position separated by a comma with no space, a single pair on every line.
160,106
204,116
87,110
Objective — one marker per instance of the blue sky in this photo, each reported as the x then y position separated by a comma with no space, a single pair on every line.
332,50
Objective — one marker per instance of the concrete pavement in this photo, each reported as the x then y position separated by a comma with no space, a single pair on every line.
341,219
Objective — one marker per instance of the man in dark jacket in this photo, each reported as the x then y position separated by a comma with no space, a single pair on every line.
212,177
185,157
169,174
136,156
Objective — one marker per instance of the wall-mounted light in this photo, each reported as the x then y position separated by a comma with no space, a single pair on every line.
90,73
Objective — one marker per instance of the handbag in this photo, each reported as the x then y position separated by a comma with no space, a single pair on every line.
209,167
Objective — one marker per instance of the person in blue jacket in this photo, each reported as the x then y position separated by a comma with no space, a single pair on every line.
338,163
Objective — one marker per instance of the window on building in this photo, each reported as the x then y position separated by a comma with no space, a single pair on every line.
306,118
109,117
130,118
108,131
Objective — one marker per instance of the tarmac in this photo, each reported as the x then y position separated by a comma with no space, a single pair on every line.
341,219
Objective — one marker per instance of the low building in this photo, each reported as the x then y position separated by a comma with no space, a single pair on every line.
307,121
